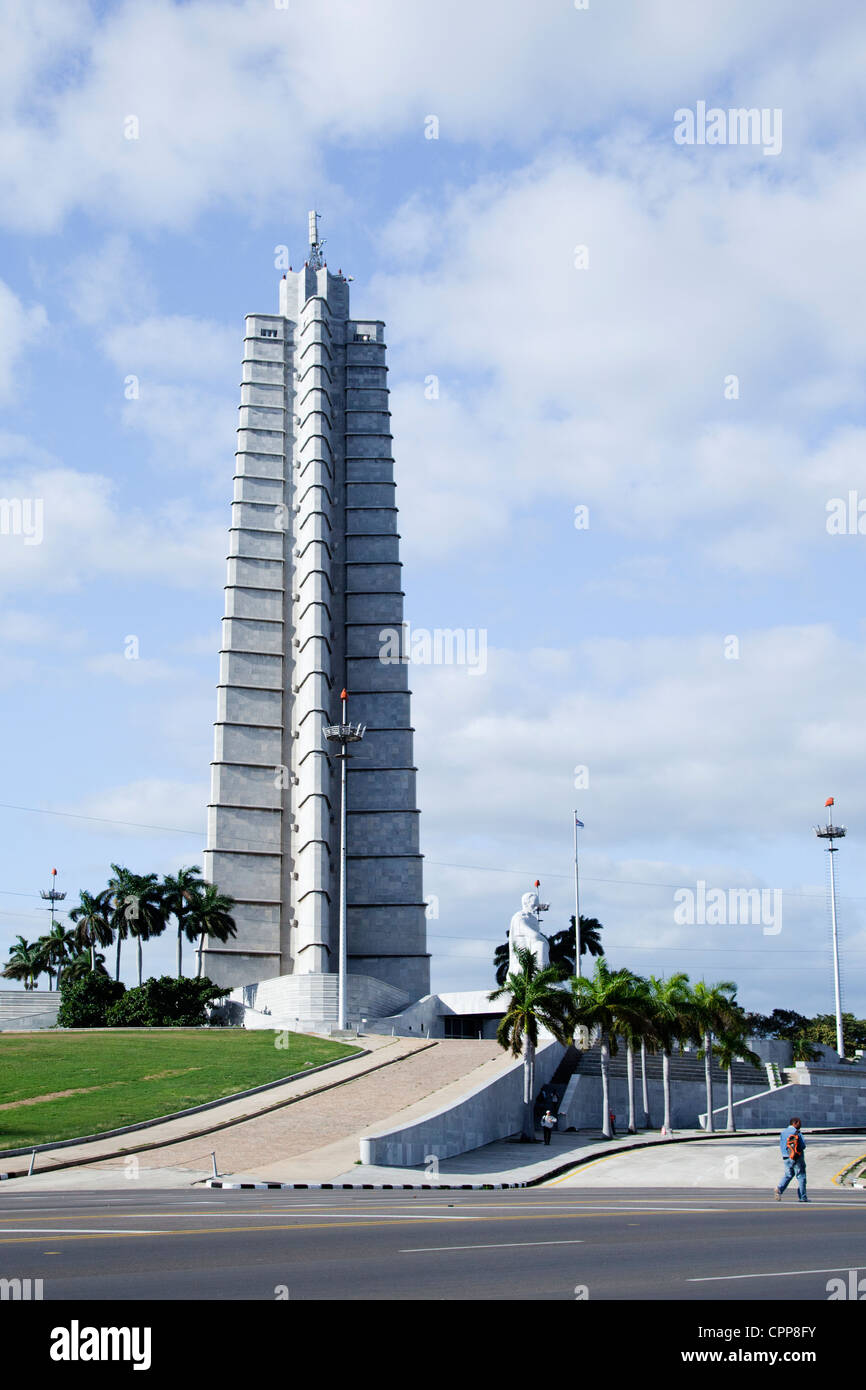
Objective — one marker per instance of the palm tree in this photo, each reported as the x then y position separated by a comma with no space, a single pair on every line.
731,1046
26,962
84,964
590,937
669,1003
209,916
648,1043
145,911
119,886
560,947
92,924
608,1000
179,892
56,946
713,1010
636,1029
534,1001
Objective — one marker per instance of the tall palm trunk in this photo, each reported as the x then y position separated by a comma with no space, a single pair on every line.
629,1061
179,947
138,944
644,1087
199,953
92,957
528,1132
605,1085
708,1076
666,1083
731,1125
117,962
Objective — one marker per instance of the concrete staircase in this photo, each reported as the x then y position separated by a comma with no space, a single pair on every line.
28,1008
685,1066
578,1101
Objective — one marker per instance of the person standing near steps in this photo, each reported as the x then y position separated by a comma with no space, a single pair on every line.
548,1123
793,1147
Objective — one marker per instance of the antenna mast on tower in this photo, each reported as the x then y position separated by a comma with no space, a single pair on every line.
316,243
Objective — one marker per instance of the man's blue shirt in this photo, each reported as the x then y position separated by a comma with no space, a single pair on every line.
783,1139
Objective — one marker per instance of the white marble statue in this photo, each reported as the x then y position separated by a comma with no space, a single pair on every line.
524,934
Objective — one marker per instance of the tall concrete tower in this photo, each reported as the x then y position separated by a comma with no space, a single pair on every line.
314,578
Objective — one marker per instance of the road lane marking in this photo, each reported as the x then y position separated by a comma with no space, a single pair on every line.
848,1167
76,1230
501,1245
777,1274
308,1225
555,1182
309,1216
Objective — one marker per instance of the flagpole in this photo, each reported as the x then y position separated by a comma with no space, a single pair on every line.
576,902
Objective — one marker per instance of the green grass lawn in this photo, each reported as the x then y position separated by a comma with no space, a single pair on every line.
123,1076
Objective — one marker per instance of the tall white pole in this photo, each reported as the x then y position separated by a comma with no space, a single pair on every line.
341,1011
343,734
576,900
840,1044
832,832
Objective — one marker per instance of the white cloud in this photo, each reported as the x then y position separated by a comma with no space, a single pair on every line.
20,327
218,90
681,743
186,427
162,803
88,534
606,386
106,286
175,346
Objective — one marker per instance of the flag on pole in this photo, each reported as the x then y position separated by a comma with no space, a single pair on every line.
579,823
829,801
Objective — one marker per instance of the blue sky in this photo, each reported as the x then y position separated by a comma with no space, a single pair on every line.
558,387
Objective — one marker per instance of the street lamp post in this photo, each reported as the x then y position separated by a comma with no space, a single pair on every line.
53,896
578,825
343,733
833,832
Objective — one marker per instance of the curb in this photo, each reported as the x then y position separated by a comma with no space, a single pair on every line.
492,1186
371,1186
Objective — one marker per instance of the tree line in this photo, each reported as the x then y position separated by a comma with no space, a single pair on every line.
647,1015
132,906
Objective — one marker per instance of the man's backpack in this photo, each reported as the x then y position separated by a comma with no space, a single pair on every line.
794,1144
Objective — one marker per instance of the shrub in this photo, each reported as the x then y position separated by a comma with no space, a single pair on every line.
85,1003
165,1003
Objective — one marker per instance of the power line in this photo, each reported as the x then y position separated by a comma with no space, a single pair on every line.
723,950
434,863
103,820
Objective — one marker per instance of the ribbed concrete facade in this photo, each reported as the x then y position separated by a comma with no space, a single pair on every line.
313,578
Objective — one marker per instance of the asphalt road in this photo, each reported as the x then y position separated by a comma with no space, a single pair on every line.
542,1243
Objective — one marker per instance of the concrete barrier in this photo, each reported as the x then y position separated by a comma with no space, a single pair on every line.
489,1112
836,1099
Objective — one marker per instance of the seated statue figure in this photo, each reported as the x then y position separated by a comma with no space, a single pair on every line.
524,934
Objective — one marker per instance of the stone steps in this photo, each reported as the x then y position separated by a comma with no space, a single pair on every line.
682,1068
17,1005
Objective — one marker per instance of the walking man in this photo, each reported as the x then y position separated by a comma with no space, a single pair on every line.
548,1122
793,1147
